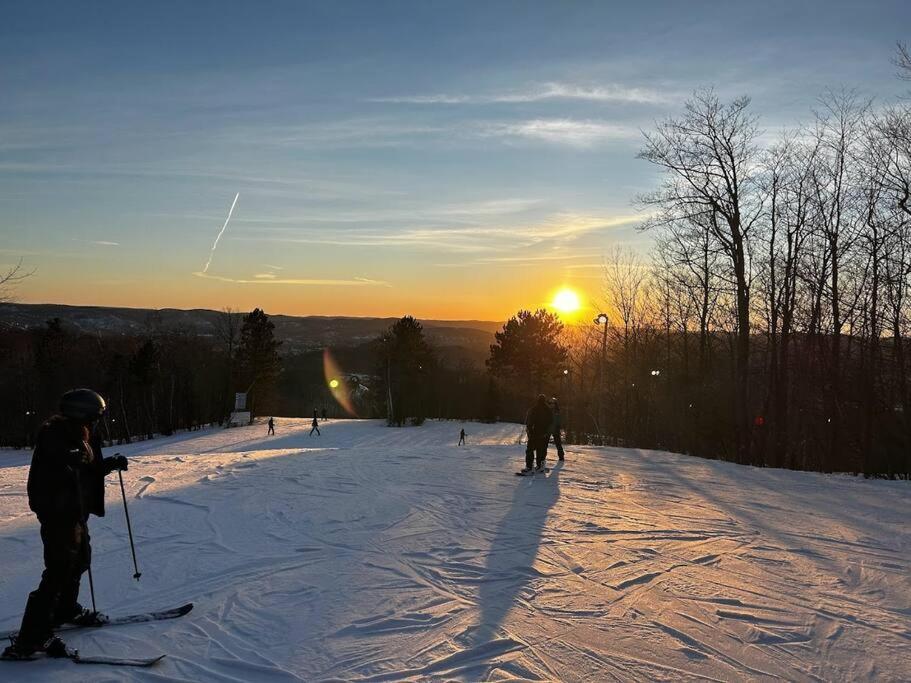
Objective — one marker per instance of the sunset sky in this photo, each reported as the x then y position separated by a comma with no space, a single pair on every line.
447,160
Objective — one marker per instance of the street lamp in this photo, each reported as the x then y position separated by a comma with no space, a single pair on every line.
602,319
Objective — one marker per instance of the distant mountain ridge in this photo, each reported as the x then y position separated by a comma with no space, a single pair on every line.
299,333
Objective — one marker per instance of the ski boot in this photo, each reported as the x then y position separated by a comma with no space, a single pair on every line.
22,652
82,616
57,649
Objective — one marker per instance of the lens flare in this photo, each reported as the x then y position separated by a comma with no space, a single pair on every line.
338,389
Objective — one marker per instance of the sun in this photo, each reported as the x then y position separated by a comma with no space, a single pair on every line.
566,301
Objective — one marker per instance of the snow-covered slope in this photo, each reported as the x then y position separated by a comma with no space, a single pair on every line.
372,553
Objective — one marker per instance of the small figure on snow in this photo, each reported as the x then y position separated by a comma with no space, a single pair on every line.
558,439
314,425
538,424
65,486
324,415
462,436
271,427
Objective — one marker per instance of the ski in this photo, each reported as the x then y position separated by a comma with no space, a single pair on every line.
120,621
142,662
77,658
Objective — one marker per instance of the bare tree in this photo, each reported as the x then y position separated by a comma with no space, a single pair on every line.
903,61
227,329
9,279
709,156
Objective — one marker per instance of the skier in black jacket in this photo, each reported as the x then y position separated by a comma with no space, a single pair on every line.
65,486
538,422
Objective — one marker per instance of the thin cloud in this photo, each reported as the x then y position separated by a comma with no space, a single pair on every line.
314,282
572,132
100,243
539,93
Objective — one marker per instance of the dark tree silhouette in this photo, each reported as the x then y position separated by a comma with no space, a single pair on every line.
257,355
528,353
404,362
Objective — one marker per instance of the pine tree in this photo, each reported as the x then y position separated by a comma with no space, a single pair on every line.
257,355
528,353
404,360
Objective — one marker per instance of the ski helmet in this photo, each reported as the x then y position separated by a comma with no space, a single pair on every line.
83,405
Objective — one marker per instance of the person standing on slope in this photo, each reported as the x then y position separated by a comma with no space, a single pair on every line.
314,426
271,427
558,439
462,436
65,486
538,423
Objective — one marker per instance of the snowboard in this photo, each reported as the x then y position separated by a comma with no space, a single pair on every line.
532,473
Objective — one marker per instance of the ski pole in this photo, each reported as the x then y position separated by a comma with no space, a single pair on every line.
92,590
129,527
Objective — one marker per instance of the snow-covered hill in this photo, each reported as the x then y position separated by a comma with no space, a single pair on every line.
372,553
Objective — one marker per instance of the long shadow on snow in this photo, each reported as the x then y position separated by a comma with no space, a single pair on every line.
510,561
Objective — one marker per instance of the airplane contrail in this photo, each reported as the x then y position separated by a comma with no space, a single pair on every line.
212,253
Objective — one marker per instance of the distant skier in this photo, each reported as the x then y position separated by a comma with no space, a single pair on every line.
314,426
324,415
538,424
462,436
271,427
65,486
557,425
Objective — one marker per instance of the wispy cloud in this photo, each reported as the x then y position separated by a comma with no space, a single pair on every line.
312,282
573,132
493,239
99,243
540,92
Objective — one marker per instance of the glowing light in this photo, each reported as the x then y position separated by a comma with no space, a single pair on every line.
339,390
566,301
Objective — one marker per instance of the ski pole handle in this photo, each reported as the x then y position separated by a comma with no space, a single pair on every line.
129,527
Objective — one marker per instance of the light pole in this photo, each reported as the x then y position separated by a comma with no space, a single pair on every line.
652,410
602,320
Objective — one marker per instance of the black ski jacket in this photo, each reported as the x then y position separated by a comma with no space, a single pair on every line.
66,478
538,421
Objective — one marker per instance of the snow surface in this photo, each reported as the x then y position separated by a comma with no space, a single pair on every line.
378,554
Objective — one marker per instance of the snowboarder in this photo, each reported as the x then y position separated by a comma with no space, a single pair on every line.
558,440
462,436
271,427
538,424
65,486
314,426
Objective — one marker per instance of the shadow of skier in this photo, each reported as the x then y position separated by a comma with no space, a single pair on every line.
510,562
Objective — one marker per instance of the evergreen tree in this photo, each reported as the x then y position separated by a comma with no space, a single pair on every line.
528,353
404,360
257,356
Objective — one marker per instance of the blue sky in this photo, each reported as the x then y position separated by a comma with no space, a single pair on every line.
437,158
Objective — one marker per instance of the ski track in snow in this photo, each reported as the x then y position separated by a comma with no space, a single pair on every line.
380,554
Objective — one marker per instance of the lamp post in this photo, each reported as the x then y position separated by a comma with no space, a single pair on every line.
652,410
602,319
